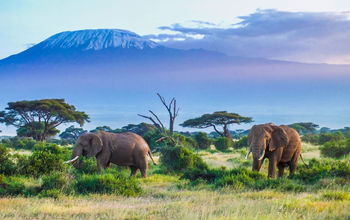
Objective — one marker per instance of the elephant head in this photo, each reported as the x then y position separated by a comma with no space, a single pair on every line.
262,138
88,144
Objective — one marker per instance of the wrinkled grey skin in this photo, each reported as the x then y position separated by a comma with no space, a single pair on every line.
282,146
124,149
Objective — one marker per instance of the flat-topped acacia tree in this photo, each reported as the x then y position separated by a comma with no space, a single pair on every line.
219,118
47,113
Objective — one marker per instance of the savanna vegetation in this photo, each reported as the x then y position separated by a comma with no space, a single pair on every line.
198,176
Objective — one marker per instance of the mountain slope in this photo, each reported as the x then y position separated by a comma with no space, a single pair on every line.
96,40
122,71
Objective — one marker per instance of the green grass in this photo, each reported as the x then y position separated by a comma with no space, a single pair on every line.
165,196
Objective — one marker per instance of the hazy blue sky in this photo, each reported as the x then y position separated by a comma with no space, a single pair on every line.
24,22
296,30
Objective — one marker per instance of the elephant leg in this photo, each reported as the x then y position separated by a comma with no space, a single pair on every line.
272,168
293,163
101,165
280,170
143,167
133,170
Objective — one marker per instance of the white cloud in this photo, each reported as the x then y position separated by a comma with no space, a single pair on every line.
295,36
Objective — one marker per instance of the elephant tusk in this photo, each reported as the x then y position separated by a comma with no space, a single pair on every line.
246,157
262,156
72,160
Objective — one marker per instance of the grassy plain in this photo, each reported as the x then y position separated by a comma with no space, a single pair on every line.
168,197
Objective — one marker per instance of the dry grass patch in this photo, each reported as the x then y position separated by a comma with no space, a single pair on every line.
179,204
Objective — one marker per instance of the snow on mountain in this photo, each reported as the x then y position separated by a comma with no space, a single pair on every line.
96,40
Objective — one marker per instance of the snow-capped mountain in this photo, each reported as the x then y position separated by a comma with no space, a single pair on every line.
96,40
123,71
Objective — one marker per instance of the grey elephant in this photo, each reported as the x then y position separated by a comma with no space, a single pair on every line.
280,144
123,149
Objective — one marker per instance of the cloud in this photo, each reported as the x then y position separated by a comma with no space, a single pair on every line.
296,36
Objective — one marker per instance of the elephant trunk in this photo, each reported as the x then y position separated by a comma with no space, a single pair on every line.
257,165
77,152
258,155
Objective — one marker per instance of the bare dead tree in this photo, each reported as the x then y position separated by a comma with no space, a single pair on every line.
173,112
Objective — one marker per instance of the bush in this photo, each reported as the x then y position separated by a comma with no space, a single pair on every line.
87,165
56,180
45,159
51,193
241,143
222,143
178,158
11,186
7,166
310,138
323,169
334,195
203,142
183,140
240,178
151,137
327,137
336,149
19,143
107,183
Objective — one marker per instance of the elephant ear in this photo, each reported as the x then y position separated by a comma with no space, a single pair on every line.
95,145
250,135
279,138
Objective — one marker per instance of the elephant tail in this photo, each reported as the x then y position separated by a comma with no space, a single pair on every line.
304,161
150,155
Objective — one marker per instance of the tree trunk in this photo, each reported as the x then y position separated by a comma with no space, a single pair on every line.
171,127
227,132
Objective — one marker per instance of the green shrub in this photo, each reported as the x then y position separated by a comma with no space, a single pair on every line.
335,195
7,165
151,137
222,143
323,169
107,183
327,137
11,186
51,193
88,165
311,138
336,149
203,142
240,178
19,143
281,184
56,180
46,158
241,143
178,158
184,141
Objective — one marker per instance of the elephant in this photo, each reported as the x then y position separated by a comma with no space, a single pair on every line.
280,144
123,149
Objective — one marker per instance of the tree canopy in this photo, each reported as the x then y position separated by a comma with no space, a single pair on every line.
72,133
304,127
219,118
41,117
27,131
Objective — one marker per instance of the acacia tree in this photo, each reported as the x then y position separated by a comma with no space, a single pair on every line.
27,131
220,118
72,133
304,127
47,113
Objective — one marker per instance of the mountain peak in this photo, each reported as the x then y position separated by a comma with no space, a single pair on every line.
97,39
